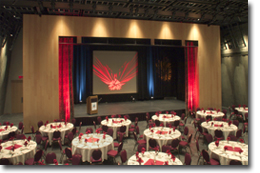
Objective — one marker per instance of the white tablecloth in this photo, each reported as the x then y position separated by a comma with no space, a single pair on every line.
162,139
226,129
49,131
163,157
116,126
214,114
226,156
166,118
242,111
86,149
20,154
4,133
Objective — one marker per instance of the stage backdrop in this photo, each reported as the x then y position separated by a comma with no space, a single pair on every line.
41,55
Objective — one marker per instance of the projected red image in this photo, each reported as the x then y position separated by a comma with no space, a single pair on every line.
115,81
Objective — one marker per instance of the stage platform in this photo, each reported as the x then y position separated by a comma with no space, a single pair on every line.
133,109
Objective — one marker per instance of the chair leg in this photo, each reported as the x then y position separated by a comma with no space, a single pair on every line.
198,160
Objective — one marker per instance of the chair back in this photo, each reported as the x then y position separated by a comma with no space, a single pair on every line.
187,159
152,143
197,145
90,129
123,156
198,109
137,130
175,143
99,119
56,134
38,139
120,147
236,122
20,136
157,123
4,161
239,133
165,148
73,121
185,120
104,128
121,137
70,136
235,162
176,123
32,129
209,117
110,132
189,139
38,155
182,116
95,126
76,159
74,130
96,154
135,137
186,130
140,146
209,138
218,133
49,158
205,155
200,128
232,137
68,152
122,129
6,123
20,125
40,123
202,119
11,135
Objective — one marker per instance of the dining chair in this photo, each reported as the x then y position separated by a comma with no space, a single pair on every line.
68,138
138,142
73,121
209,117
40,123
236,123
114,153
152,144
56,137
123,156
185,133
95,127
104,128
140,146
187,159
185,144
50,157
232,137
96,157
198,151
110,132
157,123
20,127
165,148
68,153
4,161
209,160
76,159
218,134
175,146
38,155
235,162
120,139
90,129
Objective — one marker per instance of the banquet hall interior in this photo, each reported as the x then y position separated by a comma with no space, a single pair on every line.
126,82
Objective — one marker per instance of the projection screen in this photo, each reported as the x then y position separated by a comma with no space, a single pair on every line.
115,72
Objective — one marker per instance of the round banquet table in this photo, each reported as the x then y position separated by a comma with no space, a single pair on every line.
115,124
242,111
149,158
5,132
162,139
166,118
226,129
204,113
231,154
49,131
21,152
85,149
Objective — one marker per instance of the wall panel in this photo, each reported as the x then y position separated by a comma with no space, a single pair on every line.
40,55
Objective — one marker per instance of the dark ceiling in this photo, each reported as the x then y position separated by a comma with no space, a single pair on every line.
211,12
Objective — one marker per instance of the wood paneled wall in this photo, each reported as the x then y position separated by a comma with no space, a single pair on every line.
40,55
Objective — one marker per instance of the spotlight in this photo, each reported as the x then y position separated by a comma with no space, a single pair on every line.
152,98
80,101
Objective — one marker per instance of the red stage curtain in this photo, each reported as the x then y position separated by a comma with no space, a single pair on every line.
192,78
66,99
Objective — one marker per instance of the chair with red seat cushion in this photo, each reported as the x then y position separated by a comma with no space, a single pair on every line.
232,137
176,124
236,122
141,141
209,139
182,124
20,136
68,153
157,123
56,137
68,138
20,128
90,129
96,157
208,160
175,145
99,119
122,130
218,134
198,151
73,121
152,144
110,132
235,162
50,157
114,153
239,133
200,131
120,139
35,160
33,132
187,160
185,132
123,156
185,144
104,128
4,161
76,159
138,132
6,123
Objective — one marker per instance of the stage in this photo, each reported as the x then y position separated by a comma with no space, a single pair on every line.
133,109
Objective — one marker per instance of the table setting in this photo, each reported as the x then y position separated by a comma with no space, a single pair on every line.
166,118
214,113
6,129
243,110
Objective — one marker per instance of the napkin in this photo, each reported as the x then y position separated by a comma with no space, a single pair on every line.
170,132
112,116
139,160
166,163
55,162
137,154
217,143
218,110
228,138
24,137
6,127
241,140
97,131
212,124
119,116
47,122
125,118
41,162
59,126
86,140
25,143
164,116
104,136
244,106
174,129
66,164
150,127
29,138
173,158
207,120
174,113
157,148
229,123
239,106
81,134
143,150
79,137
55,120
166,112
106,118
152,130
153,124
157,114
88,131
161,125
11,125
168,152
2,130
